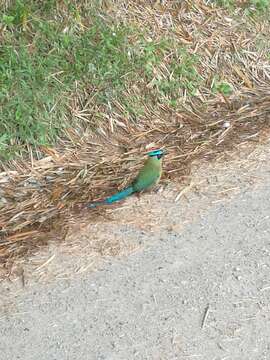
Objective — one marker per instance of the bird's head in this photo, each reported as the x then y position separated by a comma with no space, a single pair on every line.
158,153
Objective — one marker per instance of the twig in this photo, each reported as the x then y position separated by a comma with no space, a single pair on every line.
205,316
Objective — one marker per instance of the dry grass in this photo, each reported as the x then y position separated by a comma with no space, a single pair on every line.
38,195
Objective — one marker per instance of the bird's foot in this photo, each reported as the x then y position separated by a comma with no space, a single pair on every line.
158,189
138,195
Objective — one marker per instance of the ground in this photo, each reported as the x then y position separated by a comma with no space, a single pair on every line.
168,276
87,87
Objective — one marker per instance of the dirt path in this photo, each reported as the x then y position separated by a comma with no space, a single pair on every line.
157,279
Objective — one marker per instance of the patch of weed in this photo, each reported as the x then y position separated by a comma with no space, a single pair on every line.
222,87
250,7
182,75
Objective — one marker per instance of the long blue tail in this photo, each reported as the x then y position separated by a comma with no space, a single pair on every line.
116,197
119,196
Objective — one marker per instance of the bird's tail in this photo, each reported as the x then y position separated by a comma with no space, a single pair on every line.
116,197
120,195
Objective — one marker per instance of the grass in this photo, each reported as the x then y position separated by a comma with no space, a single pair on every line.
250,6
51,50
43,61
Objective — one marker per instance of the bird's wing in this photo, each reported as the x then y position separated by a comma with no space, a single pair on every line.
146,178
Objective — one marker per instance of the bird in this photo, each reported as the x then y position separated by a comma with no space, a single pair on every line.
147,178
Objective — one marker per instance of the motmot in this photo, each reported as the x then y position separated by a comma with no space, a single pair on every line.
148,177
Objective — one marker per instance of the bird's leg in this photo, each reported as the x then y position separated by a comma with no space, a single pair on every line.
138,194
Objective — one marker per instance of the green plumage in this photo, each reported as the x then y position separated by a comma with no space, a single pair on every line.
148,176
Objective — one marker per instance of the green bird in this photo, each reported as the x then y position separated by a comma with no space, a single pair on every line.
148,176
